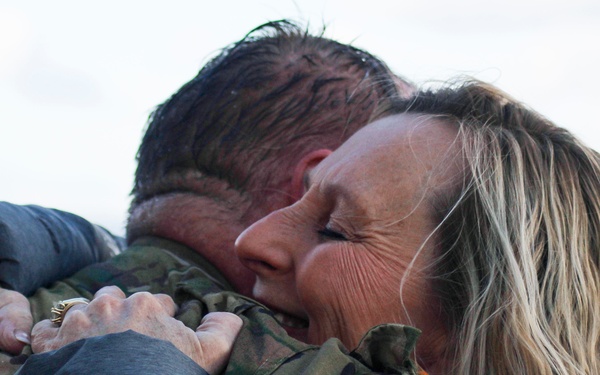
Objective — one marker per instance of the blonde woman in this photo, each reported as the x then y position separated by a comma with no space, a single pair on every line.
481,213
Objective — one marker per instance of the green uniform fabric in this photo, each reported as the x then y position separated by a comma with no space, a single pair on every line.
263,347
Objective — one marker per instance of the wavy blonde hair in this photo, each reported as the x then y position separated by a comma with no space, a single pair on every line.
520,257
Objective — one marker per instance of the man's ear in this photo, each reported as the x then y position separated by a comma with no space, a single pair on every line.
304,166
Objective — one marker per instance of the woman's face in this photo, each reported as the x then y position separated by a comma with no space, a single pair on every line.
332,264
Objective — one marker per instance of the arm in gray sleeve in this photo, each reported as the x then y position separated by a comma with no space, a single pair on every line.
40,245
126,353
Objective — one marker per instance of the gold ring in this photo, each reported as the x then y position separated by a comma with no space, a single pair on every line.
61,307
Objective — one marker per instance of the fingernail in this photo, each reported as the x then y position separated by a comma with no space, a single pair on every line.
23,337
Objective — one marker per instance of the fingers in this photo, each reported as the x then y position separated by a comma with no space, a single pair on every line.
47,335
108,312
144,301
42,336
15,321
135,301
217,334
222,324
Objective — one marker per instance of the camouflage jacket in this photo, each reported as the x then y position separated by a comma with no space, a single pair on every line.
263,347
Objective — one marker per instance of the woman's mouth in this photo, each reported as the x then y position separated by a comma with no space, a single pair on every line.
290,321
295,326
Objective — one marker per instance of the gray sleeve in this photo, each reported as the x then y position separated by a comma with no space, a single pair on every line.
40,245
126,353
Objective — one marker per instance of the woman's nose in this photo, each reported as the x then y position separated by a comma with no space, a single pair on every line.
265,246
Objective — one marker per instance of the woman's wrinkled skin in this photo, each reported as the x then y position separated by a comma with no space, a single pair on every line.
110,312
354,251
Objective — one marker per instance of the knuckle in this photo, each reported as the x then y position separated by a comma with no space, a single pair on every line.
37,329
76,317
141,300
112,290
167,303
164,298
148,301
141,296
105,301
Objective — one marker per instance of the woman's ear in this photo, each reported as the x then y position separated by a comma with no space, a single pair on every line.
303,167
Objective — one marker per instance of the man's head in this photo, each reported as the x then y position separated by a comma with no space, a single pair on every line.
238,137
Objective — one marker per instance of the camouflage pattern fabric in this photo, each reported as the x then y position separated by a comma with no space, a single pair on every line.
263,347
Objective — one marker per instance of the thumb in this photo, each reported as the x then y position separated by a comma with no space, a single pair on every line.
15,321
216,334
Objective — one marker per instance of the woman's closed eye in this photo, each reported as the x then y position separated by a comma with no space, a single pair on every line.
331,234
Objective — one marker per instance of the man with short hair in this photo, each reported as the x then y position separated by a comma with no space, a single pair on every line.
229,147
232,144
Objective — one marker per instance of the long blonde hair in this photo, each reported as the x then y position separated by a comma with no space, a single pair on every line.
520,258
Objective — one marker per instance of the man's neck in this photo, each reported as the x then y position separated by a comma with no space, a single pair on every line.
203,224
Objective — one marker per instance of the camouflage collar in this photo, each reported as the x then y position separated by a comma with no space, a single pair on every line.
185,255
387,348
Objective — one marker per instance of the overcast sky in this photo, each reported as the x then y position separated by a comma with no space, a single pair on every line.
78,79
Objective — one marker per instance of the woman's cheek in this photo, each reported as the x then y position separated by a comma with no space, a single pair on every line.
329,288
341,283
320,280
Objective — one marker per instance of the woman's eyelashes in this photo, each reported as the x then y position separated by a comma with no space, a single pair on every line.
332,235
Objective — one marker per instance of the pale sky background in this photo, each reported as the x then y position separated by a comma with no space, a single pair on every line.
78,79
